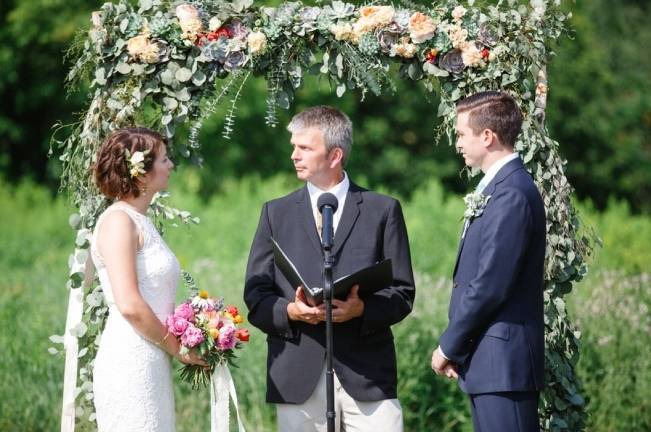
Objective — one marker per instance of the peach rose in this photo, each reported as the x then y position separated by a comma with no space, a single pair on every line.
257,42
137,45
403,49
458,12
471,55
372,17
189,20
421,27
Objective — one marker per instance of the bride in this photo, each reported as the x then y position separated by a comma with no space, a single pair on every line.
132,379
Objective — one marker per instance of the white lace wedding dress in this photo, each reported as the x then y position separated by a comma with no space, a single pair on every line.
132,377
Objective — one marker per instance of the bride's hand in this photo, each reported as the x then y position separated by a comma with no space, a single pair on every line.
191,358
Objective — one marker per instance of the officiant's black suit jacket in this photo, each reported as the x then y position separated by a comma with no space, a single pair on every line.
371,228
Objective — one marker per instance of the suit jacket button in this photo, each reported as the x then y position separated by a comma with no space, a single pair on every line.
455,285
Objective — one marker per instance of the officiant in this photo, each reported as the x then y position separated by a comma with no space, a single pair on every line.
368,227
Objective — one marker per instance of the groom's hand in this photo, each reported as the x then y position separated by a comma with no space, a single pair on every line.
344,310
440,363
299,310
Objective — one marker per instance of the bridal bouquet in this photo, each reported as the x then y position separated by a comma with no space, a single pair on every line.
203,323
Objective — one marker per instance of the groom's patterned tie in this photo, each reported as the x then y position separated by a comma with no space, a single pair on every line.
481,185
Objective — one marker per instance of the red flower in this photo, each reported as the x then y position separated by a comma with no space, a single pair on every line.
485,53
431,55
220,32
242,335
233,311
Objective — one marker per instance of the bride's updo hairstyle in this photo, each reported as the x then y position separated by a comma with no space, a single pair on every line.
112,169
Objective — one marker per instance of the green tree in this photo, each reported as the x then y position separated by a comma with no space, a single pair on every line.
599,109
600,101
34,34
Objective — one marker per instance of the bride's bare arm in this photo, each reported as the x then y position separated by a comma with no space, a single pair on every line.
118,243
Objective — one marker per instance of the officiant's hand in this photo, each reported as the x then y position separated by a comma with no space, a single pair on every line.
344,310
299,310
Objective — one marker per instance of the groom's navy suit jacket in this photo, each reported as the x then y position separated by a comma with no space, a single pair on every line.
371,229
496,329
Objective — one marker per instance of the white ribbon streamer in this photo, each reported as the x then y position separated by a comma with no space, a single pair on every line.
70,342
221,388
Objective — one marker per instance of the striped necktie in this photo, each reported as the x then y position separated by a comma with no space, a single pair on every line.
319,223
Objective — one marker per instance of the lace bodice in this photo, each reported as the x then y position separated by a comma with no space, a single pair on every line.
156,266
132,377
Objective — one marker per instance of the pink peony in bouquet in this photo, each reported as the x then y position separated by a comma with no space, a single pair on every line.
203,323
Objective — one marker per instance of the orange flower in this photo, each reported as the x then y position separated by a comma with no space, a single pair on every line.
242,334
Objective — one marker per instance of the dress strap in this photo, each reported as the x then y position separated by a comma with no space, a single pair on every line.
136,217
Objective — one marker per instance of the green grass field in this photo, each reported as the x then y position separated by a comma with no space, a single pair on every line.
611,306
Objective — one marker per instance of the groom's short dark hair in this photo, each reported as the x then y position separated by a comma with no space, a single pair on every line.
493,110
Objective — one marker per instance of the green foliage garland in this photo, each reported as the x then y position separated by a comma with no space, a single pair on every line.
166,64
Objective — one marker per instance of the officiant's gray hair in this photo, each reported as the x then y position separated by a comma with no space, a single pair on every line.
336,127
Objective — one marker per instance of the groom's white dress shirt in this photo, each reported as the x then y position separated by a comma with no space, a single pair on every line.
492,171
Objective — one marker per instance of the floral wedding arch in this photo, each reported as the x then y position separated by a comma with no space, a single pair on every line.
170,63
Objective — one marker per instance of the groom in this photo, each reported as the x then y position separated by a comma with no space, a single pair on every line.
494,343
368,227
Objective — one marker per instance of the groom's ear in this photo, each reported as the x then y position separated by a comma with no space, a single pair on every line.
488,138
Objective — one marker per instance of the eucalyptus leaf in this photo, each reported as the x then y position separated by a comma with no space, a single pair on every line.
100,76
282,99
341,89
183,94
137,69
325,67
431,69
166,119
145,5
167,77
414,71
79,330
183,74
56,339
198,78
170,103
74,220
339,62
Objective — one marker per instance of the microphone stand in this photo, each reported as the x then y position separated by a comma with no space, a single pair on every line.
327,298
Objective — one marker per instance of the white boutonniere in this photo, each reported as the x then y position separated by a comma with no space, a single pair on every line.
475,205
136,162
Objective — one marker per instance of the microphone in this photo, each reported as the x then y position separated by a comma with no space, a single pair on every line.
327,205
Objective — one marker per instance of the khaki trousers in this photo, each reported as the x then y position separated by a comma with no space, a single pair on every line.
351,415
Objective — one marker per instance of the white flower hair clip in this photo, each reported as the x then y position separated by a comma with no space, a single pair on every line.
136,162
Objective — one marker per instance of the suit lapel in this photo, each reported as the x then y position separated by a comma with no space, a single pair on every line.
460,248
306,216
503,173
348,217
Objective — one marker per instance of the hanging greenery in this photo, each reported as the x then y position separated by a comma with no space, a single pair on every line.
164,64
